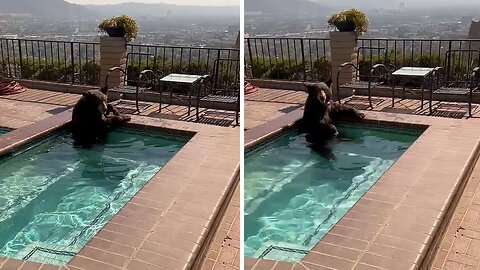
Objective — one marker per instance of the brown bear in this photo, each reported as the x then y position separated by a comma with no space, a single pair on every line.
91,118
320,115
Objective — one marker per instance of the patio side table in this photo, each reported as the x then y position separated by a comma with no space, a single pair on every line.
413,72
191,80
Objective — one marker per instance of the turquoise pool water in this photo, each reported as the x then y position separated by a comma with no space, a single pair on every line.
54,198
294,196
3,131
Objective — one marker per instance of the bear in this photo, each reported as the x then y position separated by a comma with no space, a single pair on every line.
92,118
320,114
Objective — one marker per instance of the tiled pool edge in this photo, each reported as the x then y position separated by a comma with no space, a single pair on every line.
167,223
327,253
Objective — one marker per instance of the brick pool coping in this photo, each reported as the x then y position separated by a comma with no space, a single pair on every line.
169,223
396,224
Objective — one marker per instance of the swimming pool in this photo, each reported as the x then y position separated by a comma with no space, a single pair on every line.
54,198
3,131
294,196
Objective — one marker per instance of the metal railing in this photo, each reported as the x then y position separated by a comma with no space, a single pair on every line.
417,52
79,62
178,59
58,61
308,59
294,59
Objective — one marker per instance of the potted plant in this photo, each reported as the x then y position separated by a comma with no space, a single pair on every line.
351,20
121,26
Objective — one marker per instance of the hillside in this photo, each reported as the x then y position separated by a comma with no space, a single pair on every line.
45,8
282,7
161,9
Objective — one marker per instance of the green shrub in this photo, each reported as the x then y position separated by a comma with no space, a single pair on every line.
351,16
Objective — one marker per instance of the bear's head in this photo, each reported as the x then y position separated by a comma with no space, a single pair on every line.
96,99
321,91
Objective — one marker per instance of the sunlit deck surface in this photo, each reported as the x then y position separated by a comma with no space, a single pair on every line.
267,104
459,248
34,105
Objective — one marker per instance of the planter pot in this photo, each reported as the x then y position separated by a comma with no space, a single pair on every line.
115,32
345,26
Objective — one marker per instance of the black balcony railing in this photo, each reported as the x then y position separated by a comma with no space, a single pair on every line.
164,60
79,62
306,59
58,61
178,59
297,59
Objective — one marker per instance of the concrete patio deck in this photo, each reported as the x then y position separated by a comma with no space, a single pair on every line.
268,104
34,105
459,247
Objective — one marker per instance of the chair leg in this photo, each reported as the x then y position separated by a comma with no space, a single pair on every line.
190,99
197,109
470,105
370,97
393,93
136,101
160,101
236,117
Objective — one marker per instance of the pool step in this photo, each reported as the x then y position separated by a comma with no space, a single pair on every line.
46,253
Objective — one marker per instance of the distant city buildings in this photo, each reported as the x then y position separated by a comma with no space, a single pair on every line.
163,30
435,23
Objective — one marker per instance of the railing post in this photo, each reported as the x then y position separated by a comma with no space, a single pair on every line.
449,59
343,47
21,57
250,55
303,60
72,62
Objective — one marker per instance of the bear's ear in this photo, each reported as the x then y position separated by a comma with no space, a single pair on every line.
329,82
310,89
87,94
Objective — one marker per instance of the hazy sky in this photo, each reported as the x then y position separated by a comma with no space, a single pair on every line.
177,2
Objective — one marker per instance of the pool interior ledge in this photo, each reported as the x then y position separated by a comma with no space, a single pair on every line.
187,196
400,219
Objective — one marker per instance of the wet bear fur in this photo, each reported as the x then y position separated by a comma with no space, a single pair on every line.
321,114
93,118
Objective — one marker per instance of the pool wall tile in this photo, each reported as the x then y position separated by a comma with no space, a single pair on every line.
264,264
111,247
411,203
386,263
325,260
87,263
31,266
11,264
299,266
394,253
283,266
345,242
361,266
249,263
337,251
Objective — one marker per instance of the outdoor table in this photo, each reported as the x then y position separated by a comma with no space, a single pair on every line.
413,72
185,79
